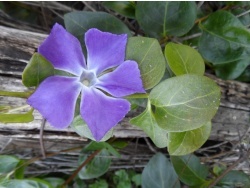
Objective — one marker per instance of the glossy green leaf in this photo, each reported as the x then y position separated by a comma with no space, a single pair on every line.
185,102
79,22
182,143
226,44
235,179
159,173
148,54
159,19
36,70
8,163
55,182
28,183
96,167
183,59
93,146
125,8
147,123
189,169
81,128
17,118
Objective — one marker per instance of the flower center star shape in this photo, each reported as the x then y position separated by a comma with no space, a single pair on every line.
100,82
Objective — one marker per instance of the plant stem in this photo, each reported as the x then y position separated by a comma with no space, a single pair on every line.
138,96
18,108
15,94
80,167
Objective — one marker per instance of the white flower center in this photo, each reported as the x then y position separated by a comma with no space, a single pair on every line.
88,78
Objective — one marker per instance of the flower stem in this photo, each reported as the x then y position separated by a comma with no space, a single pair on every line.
138,96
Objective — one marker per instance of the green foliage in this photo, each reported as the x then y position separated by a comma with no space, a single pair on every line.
17,118
28,183
146,121
99,184
37,70
159,19
148,54
159,173
184,59
225,42
125,8
8,164
185,102
189,169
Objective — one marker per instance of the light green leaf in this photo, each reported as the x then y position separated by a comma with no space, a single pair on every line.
8,163
159,19
159,173
185,102
15,94
28,183
148,54
17,118
96,167
55,182
125,8
189,169
182,143
81,128
36,70
183,59
226,44
147,123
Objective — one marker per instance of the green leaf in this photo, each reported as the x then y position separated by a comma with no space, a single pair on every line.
121,179
99,184
148,54
15,94
137,179
182,143
19,171
93,146
4,109
8,163
55,182
79,22
245,76
185,102
183,59
17,118
36,70
81,128
28,183
235,179
159,173
146,121
189,169
226,44
96,167
159,19
125,8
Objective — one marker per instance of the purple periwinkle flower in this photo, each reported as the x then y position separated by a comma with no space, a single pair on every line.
55,98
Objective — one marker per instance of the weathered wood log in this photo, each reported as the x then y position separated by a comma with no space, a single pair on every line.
17,47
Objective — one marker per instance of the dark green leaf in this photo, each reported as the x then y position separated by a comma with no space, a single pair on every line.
8,163
20,168
125,8
37,70
183,59
93,146
146,121
99,184
182,143
81,128
159,173
225,42
80,22
189,169
235,179
148,54
96,167
159,19
185,102
245,76
55,182
17,118
121,179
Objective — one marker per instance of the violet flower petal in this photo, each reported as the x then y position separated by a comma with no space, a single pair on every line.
63,50
124,80
105,50
100,112
55,99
